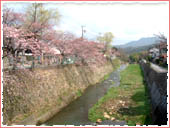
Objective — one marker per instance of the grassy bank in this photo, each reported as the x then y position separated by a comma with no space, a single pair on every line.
127,102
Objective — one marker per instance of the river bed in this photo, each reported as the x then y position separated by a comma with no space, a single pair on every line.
76,113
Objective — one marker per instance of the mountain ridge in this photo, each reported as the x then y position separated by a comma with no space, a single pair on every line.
141,42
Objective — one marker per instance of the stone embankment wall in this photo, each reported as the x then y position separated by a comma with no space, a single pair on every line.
33,96
156,79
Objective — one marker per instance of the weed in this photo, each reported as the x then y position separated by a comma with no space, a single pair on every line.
79,93
106,77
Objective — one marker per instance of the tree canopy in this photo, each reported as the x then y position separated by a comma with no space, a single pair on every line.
107,38
34,30
38,18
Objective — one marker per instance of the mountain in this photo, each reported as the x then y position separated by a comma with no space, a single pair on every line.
131,50
142,44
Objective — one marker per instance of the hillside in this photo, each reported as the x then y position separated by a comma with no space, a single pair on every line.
142,44
131,50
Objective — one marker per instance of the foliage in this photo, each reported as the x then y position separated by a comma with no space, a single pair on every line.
33,30
79,93
38,18
134,57
11,18
17,38
123,56
106,77
107,38
85,51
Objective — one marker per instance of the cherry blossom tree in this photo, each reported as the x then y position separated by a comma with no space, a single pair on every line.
11,18
17,38
88,51
85,51
39,19
20,35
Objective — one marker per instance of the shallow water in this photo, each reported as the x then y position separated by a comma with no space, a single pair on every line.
76,113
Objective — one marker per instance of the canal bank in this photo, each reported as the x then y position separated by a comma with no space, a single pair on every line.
76,113
128,102
33,96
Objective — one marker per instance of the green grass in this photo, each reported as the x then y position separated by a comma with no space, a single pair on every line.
133,91
79,93
106,77
96,111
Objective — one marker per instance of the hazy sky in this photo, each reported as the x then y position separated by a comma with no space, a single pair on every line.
127,21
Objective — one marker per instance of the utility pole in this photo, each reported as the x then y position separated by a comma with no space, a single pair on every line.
82,35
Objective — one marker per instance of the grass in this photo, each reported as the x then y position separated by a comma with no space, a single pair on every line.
132,91
106,77
79,93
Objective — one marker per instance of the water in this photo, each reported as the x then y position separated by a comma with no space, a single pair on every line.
76,113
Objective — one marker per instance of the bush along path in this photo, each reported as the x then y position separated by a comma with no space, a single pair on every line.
127,103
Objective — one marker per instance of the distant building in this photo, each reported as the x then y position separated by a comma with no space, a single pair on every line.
158,54
154,53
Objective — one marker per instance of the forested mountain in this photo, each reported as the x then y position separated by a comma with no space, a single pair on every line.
142,44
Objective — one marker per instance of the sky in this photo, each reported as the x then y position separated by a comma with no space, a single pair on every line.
128,21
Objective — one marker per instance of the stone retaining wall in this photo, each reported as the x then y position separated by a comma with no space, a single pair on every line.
157,86
33,96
